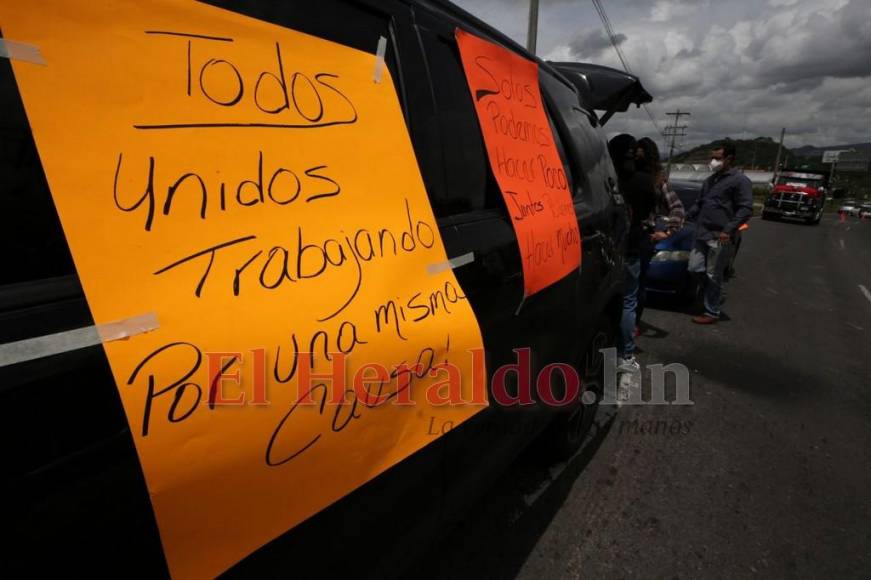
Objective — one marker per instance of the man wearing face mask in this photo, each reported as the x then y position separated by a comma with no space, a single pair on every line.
636,187
724,204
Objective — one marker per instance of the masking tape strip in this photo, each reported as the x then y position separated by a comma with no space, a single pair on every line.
20,51
440,267
379,58
51,344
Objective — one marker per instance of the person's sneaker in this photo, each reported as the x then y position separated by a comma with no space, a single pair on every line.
627,365
705,319
627,385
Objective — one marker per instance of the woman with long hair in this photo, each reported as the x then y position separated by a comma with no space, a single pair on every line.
665,219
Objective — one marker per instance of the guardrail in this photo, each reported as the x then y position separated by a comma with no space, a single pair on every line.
689,173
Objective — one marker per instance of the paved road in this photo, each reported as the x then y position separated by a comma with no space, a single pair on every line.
769,472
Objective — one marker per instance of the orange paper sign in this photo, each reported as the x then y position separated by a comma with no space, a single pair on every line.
253,187
525,161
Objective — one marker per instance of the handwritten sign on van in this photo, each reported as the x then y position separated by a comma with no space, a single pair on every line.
253,187
524,159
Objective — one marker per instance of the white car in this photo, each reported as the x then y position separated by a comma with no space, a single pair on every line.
849,208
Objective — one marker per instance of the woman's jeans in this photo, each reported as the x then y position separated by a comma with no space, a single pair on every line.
631,275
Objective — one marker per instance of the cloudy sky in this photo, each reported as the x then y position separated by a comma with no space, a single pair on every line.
742,67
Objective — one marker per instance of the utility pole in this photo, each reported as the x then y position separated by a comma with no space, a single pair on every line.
779,149
532,31
674,131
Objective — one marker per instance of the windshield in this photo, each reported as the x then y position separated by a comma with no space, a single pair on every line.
799,181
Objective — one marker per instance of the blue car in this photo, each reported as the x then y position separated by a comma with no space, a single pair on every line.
667,273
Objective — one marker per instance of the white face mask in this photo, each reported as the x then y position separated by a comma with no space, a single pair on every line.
715,165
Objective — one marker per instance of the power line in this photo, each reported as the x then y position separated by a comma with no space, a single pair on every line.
612,38
674,132
653,120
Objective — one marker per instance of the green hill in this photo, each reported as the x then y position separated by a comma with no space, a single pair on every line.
758,153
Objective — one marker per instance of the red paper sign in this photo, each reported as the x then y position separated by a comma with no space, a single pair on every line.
524,158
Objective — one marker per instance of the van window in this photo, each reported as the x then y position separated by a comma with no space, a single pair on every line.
570,167
466,166
584,143
31,237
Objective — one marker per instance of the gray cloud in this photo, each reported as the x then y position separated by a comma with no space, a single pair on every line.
685,53
817,45
591,43
742,67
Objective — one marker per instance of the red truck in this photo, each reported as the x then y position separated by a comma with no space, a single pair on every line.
798,195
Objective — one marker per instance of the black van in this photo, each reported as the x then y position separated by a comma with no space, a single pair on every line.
74,498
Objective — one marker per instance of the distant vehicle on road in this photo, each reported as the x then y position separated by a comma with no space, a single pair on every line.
865,211
850,207
796,195
667,273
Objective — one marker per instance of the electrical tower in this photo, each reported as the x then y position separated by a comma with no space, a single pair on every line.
674,131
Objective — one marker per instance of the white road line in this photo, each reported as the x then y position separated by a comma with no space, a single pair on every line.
865,292
856,326
773,291
842,243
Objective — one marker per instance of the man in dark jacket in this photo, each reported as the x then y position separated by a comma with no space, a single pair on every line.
724,204
637,190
